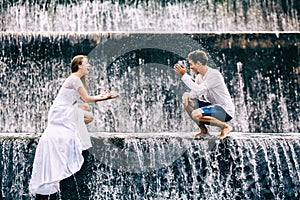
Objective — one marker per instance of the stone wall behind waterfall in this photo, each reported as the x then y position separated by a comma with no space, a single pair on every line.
261,72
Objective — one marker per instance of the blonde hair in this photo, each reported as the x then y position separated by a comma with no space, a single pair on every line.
76,61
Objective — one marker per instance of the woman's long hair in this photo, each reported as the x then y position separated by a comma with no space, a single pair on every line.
76,61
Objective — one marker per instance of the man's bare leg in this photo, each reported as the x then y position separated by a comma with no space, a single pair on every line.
203,130
226,129
189,107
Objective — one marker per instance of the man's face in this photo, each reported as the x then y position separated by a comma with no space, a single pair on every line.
195,66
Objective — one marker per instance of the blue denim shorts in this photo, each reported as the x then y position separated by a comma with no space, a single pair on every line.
216,111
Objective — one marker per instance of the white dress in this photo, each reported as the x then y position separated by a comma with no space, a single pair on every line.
83,133
58,154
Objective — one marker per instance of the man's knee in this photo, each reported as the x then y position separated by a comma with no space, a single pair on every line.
186,94
196,114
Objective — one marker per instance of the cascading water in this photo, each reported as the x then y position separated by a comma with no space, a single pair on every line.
266,101
150,15
143,144
159,167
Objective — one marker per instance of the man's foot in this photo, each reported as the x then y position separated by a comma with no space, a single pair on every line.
203,131
225,131
202,134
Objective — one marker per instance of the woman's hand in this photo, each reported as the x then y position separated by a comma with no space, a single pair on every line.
103,96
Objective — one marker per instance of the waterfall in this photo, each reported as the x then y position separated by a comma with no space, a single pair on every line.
163,166
150,15
261,79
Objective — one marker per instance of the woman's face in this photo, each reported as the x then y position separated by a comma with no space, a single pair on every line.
85,66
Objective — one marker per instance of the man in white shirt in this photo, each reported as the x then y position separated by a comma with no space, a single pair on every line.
209,101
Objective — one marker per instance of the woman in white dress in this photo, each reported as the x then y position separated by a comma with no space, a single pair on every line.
58,154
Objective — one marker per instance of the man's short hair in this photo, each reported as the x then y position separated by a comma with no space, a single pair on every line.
198,56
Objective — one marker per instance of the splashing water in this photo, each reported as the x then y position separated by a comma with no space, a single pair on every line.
266,101
148,16
247,166
143,145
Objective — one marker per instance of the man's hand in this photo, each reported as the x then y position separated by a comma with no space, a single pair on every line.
180,69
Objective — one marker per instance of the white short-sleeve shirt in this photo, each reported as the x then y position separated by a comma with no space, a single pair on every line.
73,82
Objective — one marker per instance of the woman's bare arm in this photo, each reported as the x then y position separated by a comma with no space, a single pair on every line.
87,98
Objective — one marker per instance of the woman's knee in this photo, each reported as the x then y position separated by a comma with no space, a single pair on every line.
88,118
